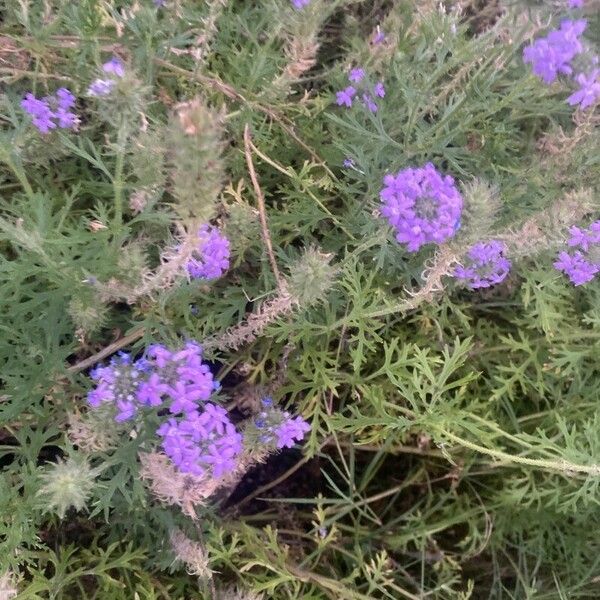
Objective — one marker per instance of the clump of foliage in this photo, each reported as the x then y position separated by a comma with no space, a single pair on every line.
379,218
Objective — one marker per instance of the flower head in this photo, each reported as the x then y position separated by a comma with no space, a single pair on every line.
369,102
553,54
300,3
211,258
290,431
422,205
101,87
581,265
345,96
589,90
575,3
180,379
52,111
356,75
277,428
485,266
378,37
67,484
202,442
114,67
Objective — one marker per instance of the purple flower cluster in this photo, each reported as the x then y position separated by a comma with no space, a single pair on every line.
582,265
300,3
575,3
103,87
553,54
278,428
211,258
179,378
486,265
198,436
367,93
589,90
422,205
52,111
202,441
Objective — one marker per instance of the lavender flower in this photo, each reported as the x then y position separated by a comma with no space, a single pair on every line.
290,431
40,112
101,87
575,3
583,264
379,37
179,378
348,163
369,102
114,67
345,96
278,428
485,266
51,111
356,75
211,258
422,205
553,54
300,3
202,442
589,90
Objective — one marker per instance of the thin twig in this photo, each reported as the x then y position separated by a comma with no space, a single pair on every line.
261,205
105,352
274,482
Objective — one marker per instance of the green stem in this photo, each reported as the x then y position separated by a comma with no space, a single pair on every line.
118,178
19,174
562,466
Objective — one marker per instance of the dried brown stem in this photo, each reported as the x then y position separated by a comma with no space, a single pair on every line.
88,362
261,205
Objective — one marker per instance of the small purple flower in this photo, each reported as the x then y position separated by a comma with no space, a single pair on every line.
101,87
159,3
51,111
114,66
290,431
356,75
575,3
211,258
422,205
379,37
65,99
379,89
553,54
582,265
369,102
345,96
40,112
589,90
126,411
300,3
202,442
485,266
348,163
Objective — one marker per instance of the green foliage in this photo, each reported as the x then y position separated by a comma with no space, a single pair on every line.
455,444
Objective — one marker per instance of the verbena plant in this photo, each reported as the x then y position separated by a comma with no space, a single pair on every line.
444,349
